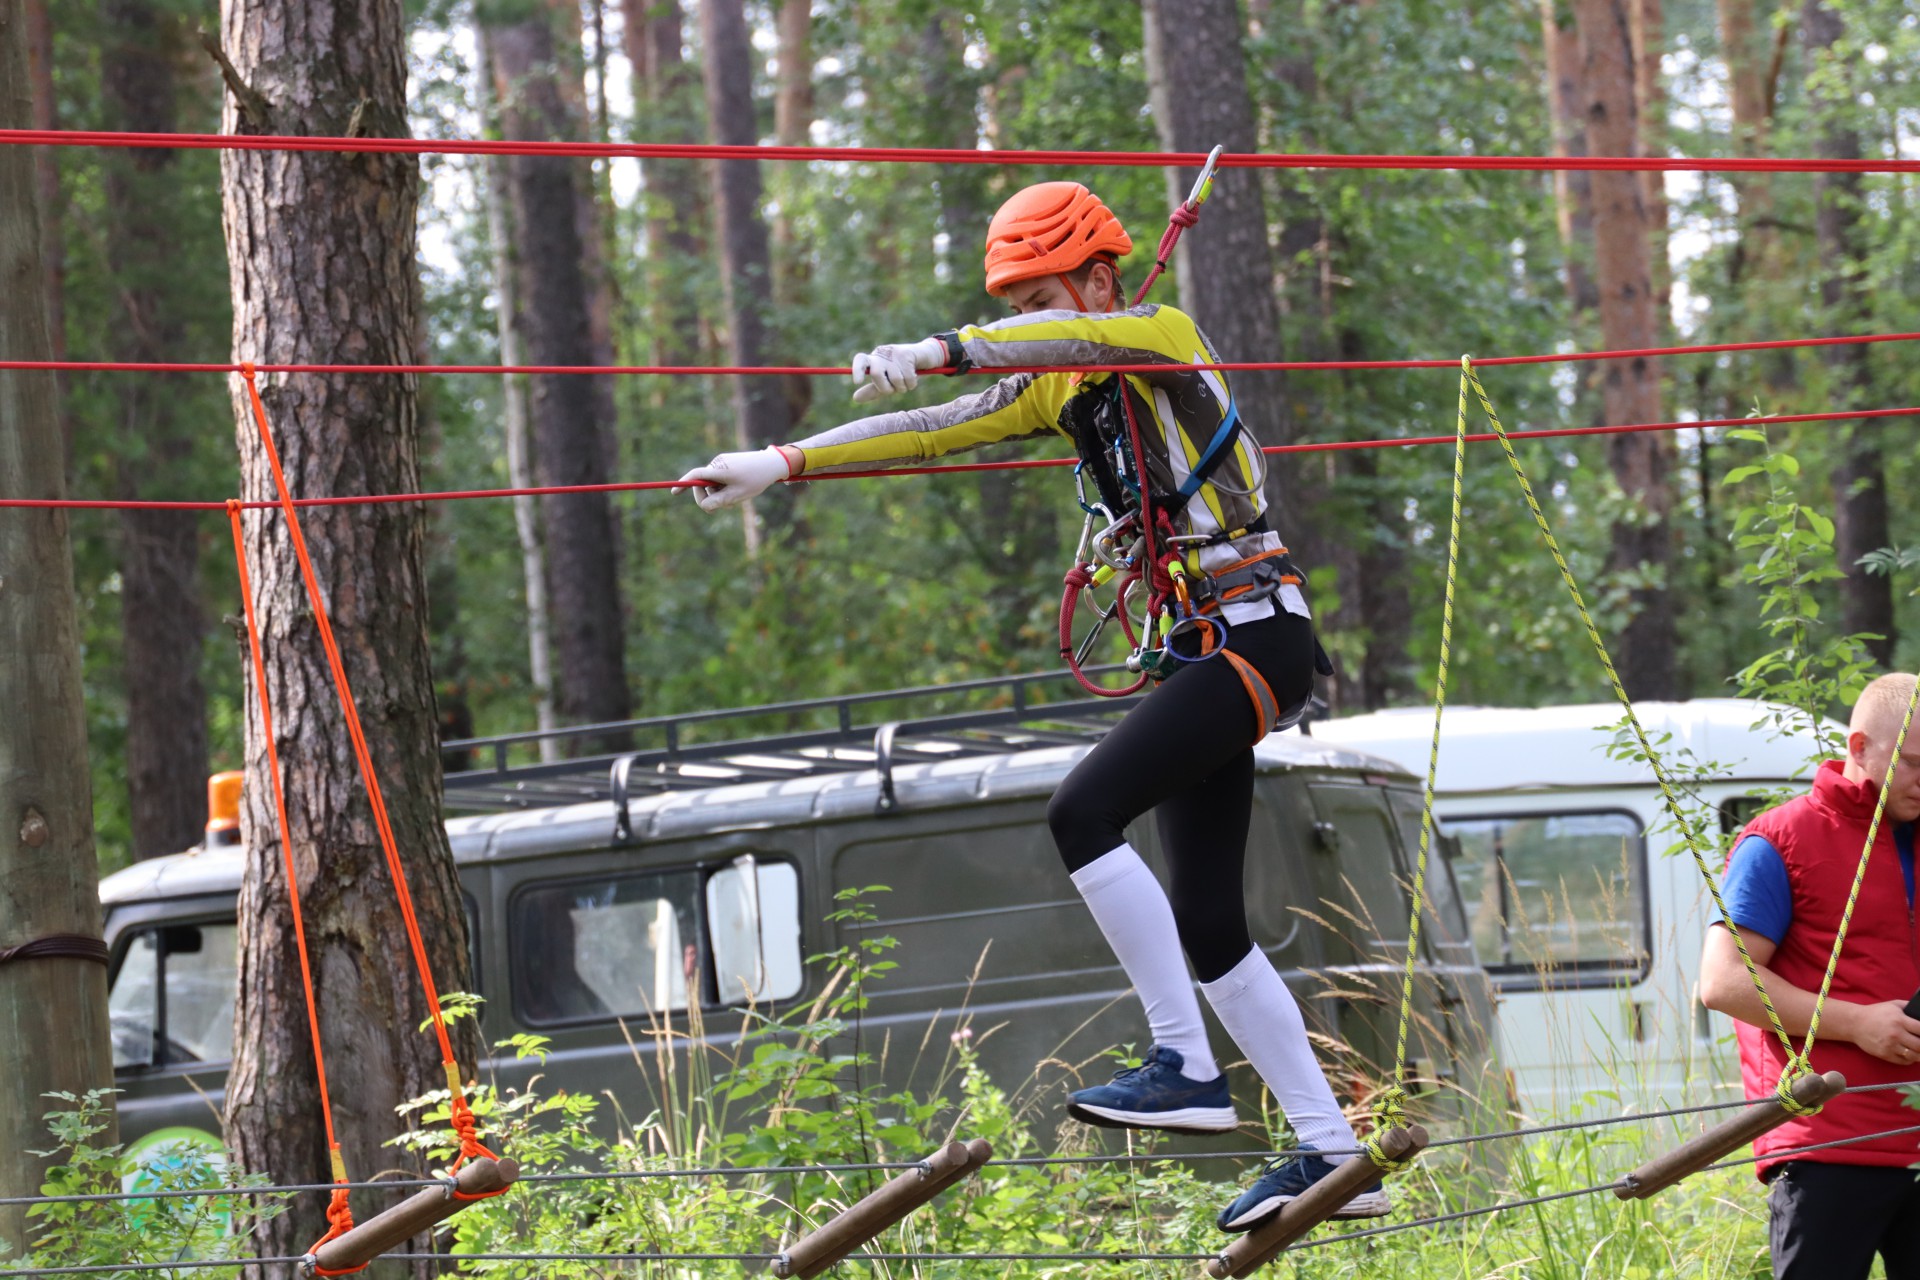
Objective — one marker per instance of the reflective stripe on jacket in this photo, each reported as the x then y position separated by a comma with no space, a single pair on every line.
1178,411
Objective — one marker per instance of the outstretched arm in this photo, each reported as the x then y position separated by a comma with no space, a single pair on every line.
1015,408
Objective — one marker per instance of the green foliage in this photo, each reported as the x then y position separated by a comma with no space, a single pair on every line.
1789,548
161,1230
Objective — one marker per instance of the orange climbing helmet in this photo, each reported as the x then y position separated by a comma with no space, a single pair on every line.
1047,229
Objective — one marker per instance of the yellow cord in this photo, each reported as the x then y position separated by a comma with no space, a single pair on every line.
1389,1109
1797,1064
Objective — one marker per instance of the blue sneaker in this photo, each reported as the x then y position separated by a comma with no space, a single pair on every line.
1154,1095
1284,1181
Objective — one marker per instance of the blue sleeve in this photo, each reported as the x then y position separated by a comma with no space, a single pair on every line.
1759,896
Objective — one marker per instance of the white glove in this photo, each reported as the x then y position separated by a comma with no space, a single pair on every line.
889,370
734,478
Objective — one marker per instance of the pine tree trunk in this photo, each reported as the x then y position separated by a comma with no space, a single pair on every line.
570,427
761,414
321,250
513,398
46,181
1642,549
1859,474
793,127
1744,47
53,1011
1016,532
667,94
1650,101
163,625
1572,189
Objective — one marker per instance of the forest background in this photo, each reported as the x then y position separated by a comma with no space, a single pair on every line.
588,609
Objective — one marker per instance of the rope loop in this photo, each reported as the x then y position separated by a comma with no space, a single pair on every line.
1389,1112
339,1222
1797,1068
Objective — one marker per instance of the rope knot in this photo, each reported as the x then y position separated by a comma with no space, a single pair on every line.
1389,1112
1079,578
1184,216
1797,1068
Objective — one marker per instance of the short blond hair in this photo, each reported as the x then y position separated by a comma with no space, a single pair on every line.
1882,706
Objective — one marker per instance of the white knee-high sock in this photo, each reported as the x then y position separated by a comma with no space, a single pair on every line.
1261,1015
1132,911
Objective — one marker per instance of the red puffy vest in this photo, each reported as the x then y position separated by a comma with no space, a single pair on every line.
1819,836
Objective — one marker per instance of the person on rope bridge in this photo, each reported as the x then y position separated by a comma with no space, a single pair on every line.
1787,884
1186,750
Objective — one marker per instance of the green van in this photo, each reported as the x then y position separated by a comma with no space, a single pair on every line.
678,882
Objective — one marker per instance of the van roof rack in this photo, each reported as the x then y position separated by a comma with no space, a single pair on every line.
775,740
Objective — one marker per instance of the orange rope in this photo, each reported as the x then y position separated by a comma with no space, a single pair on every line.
461,1114
339,1212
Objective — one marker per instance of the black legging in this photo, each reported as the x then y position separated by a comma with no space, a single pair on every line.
1187,753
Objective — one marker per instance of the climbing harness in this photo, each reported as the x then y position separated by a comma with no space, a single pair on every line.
477,1173
1166,606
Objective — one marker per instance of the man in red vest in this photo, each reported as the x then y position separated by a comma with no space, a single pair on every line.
1786,887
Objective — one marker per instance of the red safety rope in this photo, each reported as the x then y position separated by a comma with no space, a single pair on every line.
955,468
936,155
461,1114
339,1212
839,371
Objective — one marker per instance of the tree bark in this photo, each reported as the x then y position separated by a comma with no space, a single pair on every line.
1572,189
53,1012
570,427
1198,83
1745,48
163,625
1650,101
513,397
46,180
761,414
793,127
321,250
667,93
1859,474
1642,547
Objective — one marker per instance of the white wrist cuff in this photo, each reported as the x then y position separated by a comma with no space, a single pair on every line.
928,353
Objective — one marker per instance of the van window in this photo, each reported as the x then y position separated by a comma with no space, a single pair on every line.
750,965
623,946
1548,896
172,996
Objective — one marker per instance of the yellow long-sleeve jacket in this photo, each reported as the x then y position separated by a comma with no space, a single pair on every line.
1179,412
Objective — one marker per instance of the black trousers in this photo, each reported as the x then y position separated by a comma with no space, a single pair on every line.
1186,752
1826,1221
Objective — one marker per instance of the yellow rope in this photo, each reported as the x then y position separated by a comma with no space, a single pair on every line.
1860,873
1797,1064
1389,1109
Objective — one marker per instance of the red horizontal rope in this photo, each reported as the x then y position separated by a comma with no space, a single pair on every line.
952,468
934,155
702,370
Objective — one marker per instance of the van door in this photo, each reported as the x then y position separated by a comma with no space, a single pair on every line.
612,959
1557,902
1356,882
172,978
1462,988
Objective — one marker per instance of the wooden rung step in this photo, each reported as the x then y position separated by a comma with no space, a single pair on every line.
1268,1241
1727,1137
866,1218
